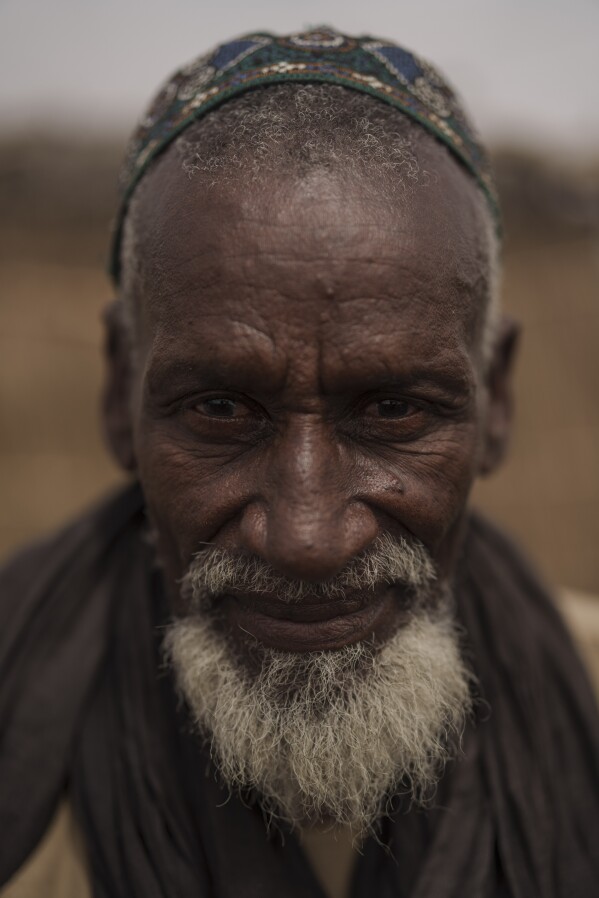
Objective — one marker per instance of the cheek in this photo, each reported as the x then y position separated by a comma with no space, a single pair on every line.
190,492
425,486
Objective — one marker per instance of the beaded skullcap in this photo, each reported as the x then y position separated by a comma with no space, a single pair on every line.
380,68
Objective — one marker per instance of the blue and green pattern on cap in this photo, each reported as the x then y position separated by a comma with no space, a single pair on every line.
376,67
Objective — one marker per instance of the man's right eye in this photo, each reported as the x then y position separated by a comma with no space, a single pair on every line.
222,407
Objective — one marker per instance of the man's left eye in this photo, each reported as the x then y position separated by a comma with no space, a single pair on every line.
392,408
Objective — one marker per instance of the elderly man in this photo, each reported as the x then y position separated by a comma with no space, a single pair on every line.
288,661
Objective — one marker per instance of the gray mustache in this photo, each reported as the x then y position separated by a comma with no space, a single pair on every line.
215,571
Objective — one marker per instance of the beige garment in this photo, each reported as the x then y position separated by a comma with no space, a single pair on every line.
332,856
57,867
581,612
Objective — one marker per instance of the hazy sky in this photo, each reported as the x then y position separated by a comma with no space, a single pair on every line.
527,69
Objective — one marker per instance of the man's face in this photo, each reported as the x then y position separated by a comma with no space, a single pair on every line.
308,379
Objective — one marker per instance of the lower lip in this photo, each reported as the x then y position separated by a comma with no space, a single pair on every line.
372,622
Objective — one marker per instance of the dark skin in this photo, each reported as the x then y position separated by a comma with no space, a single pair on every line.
309,376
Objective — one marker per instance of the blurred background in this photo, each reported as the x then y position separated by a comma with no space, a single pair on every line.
74,76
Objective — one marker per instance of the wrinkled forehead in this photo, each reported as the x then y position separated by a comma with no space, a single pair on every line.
319,234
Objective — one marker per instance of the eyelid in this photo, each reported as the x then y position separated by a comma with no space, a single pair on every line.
198,398
412,410
250,407
427,402
392,397
240,409
202,405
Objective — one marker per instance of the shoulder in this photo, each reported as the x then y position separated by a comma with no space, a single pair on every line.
581,613
51,556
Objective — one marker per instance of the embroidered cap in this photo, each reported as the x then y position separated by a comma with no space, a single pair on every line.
380,68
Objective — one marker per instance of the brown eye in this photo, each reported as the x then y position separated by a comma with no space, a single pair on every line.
394,408
221,408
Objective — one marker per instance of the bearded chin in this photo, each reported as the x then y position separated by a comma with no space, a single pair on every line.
328,735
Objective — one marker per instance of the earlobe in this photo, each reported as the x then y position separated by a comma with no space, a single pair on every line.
116,404
500,403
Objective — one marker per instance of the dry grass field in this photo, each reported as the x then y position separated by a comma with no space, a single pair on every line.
56,199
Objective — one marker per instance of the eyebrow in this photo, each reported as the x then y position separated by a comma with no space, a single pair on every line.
428,378
442,377
210,373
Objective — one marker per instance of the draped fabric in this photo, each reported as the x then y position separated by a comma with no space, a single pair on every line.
86,706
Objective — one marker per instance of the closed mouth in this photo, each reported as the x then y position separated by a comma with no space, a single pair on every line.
311,626
307,610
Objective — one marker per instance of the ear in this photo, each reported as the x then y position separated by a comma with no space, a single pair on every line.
500,403
116,397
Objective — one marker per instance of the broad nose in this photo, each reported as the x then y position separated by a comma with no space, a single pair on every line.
307,524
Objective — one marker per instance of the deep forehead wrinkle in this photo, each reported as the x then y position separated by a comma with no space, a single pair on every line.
377,271
249,359
328,277
310,213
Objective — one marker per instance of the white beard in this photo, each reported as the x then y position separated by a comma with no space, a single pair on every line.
332,734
